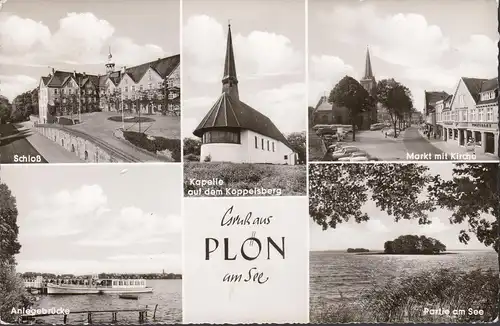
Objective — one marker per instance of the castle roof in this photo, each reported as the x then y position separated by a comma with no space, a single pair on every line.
163,66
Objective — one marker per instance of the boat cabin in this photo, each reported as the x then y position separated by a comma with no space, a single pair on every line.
116,283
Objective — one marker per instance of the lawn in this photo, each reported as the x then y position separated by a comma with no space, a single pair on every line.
286,179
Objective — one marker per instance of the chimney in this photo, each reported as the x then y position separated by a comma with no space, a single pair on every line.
53,71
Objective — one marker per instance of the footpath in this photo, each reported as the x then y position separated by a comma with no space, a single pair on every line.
453,147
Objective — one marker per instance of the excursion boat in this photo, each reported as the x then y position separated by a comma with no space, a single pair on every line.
101,286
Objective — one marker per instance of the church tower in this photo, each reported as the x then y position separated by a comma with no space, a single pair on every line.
229,80
368,81
110,65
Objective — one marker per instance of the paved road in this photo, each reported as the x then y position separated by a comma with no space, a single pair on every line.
418,145
15,145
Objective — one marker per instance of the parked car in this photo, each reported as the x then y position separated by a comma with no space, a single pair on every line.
325,131
377,126
344,152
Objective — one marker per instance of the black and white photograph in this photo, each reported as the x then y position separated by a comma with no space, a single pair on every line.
408,80
243,123
90,244
404,243
90,81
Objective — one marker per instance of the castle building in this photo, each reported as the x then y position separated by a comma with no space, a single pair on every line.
327,113
232,131
140,89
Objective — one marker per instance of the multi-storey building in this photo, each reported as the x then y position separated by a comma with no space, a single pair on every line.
432,105
149,88
470,116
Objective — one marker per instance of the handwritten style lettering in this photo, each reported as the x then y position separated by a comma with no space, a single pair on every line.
228,219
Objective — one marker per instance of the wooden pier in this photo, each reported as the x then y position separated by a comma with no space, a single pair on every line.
142,314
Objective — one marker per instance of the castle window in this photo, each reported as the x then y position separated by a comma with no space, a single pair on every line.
256,142
140,88
126,89
286,157
273,146
55,91
268,145
262,143
219,136
133,88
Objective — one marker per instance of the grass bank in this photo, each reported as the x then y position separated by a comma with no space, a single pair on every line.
155,144
290,179
404,300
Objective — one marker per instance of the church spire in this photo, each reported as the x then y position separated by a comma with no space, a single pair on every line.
230,81
368,65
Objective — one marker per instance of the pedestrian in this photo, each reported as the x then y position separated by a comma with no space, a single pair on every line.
386,134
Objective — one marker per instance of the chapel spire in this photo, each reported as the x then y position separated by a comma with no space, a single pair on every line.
229,80
110,65
368,66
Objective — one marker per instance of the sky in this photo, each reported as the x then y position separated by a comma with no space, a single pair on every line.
76,35
381,227
270,56
424,44
89,219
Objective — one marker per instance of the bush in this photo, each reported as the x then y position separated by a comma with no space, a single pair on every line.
65,121
192,158
403,300
156,144
13,294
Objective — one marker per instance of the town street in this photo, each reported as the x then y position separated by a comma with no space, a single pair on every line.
376,144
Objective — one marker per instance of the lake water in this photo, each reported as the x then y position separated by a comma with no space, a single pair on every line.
334,273
167,294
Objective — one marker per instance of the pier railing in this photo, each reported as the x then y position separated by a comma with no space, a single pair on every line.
142,314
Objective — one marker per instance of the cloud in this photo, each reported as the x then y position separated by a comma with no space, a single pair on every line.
81,38
13,85
388,36
64,213
375,225
413,51
85,214
204,43
437,226
285,106
324,72
133,226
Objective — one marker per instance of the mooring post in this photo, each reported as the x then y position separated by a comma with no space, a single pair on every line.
154,313
65,319
113,317
89,318
140,317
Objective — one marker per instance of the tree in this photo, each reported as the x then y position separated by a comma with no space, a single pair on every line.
192,146
5,109
414,244
13,294
310,112
396,98
298,142
9,245
337,192
349,93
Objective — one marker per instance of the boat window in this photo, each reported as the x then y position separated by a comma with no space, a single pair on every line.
120,282
137,283
115,283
